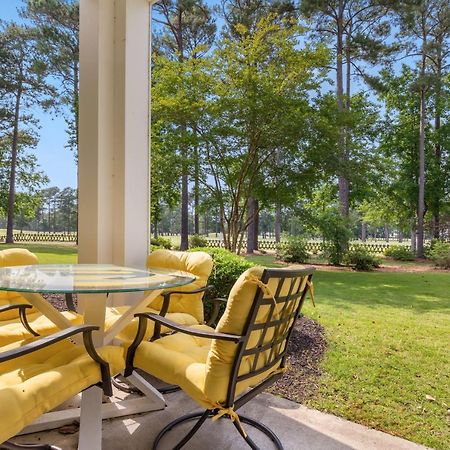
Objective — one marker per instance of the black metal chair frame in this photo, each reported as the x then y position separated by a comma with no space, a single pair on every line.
287,310
46,341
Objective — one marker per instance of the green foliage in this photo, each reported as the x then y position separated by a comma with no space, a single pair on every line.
361,259
227,268
293,250
400,253
336,233
161,242
197,241
440,254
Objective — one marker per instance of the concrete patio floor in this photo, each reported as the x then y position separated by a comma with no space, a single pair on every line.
298,428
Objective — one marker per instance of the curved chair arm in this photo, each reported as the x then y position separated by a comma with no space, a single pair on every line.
217,302
174,326
22,315
166,303
46,341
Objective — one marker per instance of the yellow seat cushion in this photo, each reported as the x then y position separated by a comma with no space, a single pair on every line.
14,257
178,359
38,382
13,330
130,330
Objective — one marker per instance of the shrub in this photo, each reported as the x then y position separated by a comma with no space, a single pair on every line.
400,253
440,254
293,251
361,259
161,242
336,233
227,269
197,241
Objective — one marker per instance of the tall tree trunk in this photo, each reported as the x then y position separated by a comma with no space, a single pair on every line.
253,227
363,231
437,150
423,113
196,193
277,222
342,178
413,237
12,175
184,244
256,225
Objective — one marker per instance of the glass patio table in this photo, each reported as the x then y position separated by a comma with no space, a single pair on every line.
90,280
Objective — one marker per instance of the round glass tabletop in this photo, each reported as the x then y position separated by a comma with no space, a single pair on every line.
89,278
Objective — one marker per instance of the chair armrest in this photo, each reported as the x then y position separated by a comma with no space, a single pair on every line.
174,326
217,302
166,303
15,306
22,315
46,341
166,297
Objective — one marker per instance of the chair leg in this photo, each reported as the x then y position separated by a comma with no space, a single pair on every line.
8,445
261,427
202,417
209,413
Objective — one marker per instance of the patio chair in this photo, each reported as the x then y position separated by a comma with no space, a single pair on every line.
40,374
224,368
183,305
18,319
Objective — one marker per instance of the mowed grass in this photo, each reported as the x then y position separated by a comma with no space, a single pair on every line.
49,253
388,350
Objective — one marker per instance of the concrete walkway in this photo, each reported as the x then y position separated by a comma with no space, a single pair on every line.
298,428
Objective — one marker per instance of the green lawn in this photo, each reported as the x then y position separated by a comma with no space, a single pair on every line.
49,253
388,339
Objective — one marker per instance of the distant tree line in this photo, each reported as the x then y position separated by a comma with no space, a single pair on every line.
38,70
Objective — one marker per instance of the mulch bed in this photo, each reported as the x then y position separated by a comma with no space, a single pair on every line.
58,301
305,353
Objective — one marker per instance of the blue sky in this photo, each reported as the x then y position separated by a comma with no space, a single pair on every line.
54,159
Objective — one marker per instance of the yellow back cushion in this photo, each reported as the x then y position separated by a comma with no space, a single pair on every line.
240,301
199,264
14,257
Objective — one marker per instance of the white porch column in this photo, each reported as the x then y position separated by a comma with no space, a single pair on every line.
114,203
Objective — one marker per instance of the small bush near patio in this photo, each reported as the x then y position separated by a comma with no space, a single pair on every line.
160,242
293,251
197,241
399,253
361,260
227,269
440,254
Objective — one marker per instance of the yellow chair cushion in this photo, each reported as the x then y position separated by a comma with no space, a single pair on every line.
197,263
130,330
178,359
14,257
38,382
13,330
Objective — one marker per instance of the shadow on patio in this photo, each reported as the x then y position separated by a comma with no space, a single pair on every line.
297,427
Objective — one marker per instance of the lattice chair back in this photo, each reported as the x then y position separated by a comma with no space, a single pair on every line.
262,308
